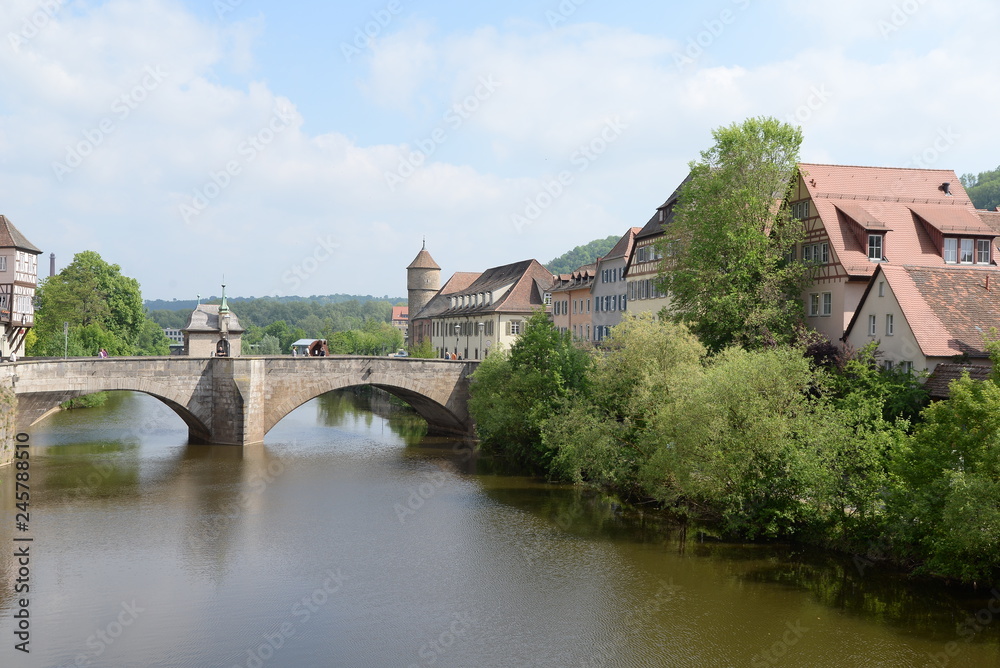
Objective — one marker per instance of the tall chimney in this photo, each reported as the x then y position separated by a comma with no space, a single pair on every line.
52,264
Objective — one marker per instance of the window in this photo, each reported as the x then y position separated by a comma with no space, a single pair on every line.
514,327
965,251
3,263
871,325
982,251
875,247
814,304
887,365
827,303
807,254
889,328
951,251
881,288
800,210
547,298
825,252
906,367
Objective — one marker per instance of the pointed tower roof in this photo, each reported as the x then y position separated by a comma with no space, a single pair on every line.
224,306
11,237
423,260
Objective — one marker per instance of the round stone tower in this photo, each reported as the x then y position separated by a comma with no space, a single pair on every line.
423,280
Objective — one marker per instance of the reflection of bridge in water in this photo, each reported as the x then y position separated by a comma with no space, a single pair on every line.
237,401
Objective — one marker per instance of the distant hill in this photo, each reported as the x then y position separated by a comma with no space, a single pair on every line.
314,315
189,304
581,255
983,189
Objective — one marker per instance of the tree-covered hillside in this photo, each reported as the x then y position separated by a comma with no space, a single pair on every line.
983,189
581,255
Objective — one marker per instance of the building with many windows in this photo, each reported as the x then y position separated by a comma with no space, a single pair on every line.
18,280
573,302
861,219
924,316
609,289
474,313
643,294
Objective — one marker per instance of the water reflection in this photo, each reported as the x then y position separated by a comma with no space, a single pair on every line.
363,403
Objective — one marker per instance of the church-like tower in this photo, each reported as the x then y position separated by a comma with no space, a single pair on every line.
423,280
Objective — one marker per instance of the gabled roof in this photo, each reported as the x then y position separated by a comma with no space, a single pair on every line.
655,226
582,277
11,237
400,312
909,206
991,218
949,309
623,248
458,282
205,318
516,288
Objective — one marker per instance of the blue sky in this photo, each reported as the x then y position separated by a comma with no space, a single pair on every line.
280,145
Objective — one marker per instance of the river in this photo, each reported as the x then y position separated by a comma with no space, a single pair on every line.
350,539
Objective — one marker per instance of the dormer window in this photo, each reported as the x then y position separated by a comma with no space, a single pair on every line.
875,247
965,250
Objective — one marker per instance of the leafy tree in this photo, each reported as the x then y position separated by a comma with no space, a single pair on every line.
581,255
599,436
725,264
103,309
424,350
751,452
513,392
983,189
268,345
152,340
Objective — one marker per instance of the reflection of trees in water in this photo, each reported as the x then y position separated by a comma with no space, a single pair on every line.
363,401
848,584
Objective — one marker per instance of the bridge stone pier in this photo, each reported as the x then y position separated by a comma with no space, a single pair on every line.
236,401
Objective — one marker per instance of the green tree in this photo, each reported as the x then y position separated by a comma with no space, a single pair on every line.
947,506
725,264
581,255
513,392
983,189
424,350
599,437
152,340
744,442
103,309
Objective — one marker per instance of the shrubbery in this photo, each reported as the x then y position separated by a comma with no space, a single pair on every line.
763,443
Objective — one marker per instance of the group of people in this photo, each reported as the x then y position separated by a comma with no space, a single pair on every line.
103,354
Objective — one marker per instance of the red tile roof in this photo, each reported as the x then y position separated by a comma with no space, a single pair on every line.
949,309
900,202
937,385
400,312
11,237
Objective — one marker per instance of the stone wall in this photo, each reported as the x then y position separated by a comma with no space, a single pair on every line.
8,414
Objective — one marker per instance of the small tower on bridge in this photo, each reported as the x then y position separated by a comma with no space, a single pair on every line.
213,331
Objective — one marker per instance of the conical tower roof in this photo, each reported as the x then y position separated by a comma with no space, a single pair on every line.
423,260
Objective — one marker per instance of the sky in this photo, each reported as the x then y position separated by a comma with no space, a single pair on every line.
308,148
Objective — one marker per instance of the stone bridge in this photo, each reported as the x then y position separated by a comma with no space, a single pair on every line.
236,401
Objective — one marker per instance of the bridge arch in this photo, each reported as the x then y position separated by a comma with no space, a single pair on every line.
39,406
43,385
440,419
